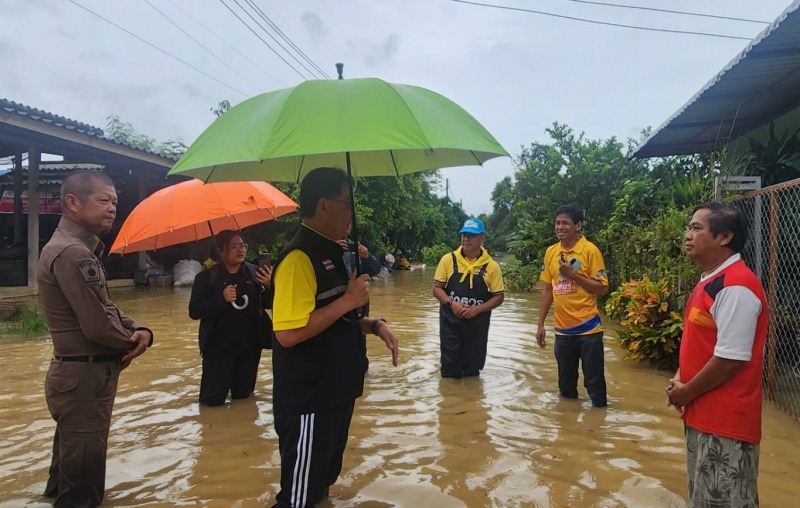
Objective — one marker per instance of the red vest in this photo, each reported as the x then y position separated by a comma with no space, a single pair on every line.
732,409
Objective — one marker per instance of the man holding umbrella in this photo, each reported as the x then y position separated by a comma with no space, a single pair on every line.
319,357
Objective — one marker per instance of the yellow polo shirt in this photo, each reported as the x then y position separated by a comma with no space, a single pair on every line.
295,286
575,308
493,276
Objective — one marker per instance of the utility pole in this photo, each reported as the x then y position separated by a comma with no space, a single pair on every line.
447,188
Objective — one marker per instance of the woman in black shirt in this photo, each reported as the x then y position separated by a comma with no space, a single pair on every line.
230,299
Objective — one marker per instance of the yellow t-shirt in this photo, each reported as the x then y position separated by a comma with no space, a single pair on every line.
575,308
295,292
493,276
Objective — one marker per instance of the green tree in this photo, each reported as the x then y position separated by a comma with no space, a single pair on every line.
405,214
123,132
570,169
223,107
499,223
634,210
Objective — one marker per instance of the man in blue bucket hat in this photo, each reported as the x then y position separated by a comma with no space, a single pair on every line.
468,284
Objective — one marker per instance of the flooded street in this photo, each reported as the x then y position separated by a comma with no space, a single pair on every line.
505,439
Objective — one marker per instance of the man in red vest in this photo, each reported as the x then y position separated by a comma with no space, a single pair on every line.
718,385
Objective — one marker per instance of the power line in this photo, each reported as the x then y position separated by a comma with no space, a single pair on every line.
620,25
310,71
223,62
254,20
285,37
231,46
698,14
262,40
157,48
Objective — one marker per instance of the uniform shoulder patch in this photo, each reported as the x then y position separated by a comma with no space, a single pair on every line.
90,271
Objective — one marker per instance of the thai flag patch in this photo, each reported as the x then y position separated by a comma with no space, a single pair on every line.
328,264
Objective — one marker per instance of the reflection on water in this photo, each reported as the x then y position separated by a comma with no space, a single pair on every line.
504,439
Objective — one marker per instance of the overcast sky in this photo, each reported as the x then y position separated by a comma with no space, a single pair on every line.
516,72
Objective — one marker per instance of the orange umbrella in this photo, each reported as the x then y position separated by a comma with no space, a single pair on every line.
190,211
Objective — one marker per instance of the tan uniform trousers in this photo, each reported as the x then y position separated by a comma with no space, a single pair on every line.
80,397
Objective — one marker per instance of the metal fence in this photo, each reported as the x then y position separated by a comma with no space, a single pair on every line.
773,252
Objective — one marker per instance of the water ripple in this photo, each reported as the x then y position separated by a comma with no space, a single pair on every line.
505,439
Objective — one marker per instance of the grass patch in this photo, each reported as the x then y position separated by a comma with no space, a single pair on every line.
29,324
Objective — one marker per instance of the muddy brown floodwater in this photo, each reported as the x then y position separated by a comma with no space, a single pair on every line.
505,439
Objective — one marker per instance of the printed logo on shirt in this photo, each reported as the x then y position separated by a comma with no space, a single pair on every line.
565,287
328,264
90,272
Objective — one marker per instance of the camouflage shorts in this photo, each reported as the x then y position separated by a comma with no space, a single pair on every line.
723,472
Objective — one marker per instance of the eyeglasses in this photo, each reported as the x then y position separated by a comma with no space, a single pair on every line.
345,201
237,246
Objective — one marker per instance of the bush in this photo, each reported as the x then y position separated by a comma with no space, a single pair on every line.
433,254
651,327
521,277
652,247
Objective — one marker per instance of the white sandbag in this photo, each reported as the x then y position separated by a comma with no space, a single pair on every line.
184,271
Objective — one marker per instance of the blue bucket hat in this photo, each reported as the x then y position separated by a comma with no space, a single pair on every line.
473,226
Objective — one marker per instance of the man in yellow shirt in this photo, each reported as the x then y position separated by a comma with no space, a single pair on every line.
318,352
468,284
573,274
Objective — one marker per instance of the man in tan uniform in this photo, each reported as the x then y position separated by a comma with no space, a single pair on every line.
92,340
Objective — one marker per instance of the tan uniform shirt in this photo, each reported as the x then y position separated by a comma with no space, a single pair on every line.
74,296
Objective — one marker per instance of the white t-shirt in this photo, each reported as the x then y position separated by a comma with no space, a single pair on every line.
735,312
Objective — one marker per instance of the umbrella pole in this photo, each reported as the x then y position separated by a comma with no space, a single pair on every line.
214,241
353,230
361,311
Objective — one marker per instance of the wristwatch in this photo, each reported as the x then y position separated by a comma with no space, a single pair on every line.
374,326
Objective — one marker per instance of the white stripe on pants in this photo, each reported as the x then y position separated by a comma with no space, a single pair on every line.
303,463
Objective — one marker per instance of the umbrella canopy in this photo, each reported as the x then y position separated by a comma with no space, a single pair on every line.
385,129
190,211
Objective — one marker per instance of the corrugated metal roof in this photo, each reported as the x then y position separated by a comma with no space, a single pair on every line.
68,124
759,85
49,172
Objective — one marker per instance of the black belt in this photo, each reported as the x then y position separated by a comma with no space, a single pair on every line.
107,358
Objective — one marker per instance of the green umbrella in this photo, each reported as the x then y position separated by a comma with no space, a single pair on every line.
385,129
368,126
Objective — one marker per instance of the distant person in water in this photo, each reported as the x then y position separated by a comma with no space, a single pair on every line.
386,268
369,263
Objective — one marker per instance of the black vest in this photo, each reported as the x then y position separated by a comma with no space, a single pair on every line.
328,369
460,291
